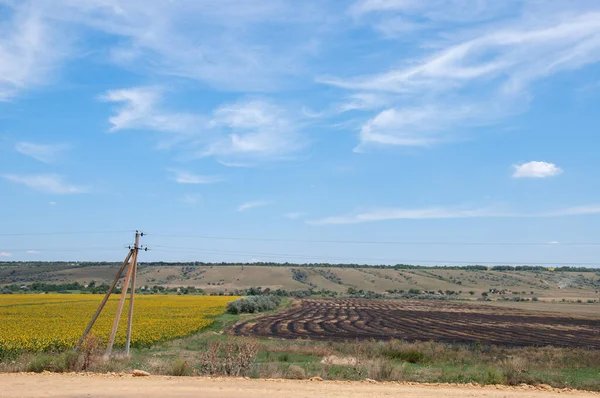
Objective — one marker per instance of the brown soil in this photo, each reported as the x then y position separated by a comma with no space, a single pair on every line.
80,385
412,320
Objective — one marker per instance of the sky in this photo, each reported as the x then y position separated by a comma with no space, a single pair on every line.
365,131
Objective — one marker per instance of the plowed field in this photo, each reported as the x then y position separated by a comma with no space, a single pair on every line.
350,319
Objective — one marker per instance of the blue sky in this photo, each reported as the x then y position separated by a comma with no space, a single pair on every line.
468,127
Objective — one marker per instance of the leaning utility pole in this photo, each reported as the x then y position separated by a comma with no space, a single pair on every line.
131,258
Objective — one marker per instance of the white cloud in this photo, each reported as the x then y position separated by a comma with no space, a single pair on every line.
47,153
575,211
191,199
536,169
142,109
436,213
32,252
469,78
185,177
46,183
5,254
249,129
218,45
233,164
380,214
30,49
52,203
394,16
294,215
252,205
253,128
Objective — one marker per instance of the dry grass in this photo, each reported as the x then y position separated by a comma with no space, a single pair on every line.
231,358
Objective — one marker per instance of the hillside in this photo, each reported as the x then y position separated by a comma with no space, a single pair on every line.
545,285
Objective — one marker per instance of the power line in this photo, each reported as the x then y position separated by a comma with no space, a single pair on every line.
441,243
66,249
63,233
334,241
396,260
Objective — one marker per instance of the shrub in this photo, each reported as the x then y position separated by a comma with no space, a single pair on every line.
180,368
285,357
410,356
40,363
90,350
253,304
296,372
65,362
382,370
232,358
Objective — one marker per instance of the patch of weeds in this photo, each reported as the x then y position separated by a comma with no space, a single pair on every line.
285,357
410,356
340,372
295,372
41,362
180,367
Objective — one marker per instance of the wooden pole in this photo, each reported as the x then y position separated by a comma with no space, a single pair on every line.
113,332
132,294
104,300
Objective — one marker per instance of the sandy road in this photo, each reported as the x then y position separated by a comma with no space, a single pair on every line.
53,385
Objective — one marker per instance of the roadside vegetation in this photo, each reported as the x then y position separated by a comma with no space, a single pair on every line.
213,352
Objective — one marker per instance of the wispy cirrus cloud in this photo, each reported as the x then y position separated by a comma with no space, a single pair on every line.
220,46
393,17
437,213
253,128
30,49
186,177
142,109
191,199
471,77
46,153
252,205
294,215
391,213
233,164
46,183
535,169
235,133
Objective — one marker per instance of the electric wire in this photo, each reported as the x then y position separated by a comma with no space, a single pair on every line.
395,260
64,233
441,243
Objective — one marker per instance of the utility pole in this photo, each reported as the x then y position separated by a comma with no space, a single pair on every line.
132,294
130,272
131,258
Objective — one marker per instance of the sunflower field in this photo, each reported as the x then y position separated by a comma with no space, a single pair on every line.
55,322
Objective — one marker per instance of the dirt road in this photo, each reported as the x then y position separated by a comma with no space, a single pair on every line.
53,385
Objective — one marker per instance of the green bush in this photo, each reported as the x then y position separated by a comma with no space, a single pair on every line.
410,356
65,362
40,363
252,304
180,368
